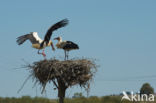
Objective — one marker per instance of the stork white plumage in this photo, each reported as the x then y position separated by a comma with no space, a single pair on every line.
37,42
66,46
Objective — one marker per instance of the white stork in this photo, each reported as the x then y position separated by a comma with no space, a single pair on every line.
66,46
37,42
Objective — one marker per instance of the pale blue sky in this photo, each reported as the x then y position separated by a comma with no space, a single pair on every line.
120,34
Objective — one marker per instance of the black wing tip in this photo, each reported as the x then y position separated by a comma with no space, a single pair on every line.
18,41
64,21
76,47
21,39
60,24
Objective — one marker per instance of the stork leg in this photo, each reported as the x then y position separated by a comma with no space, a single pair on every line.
65,53
38,52
43,53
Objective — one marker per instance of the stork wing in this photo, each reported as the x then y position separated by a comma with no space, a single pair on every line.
70,45
54,27
34,38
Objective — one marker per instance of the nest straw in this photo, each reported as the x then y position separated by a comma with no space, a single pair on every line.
71,72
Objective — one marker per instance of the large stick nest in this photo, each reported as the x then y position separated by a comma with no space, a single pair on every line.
71,72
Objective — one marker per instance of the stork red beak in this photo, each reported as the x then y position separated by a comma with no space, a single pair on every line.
52,47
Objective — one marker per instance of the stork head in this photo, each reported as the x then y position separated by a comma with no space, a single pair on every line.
58,38
51,44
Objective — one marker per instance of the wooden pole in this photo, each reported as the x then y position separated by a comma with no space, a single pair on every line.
61,90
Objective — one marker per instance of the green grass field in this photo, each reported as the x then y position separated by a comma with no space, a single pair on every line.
94,99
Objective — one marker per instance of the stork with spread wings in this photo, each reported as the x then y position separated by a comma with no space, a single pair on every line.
37,42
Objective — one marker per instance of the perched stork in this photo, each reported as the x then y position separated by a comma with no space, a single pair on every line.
66,46
37,42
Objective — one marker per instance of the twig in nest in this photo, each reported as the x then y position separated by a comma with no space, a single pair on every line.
24,83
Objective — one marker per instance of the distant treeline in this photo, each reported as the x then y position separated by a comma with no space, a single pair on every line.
93,99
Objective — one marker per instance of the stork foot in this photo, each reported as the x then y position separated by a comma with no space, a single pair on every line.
44,55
